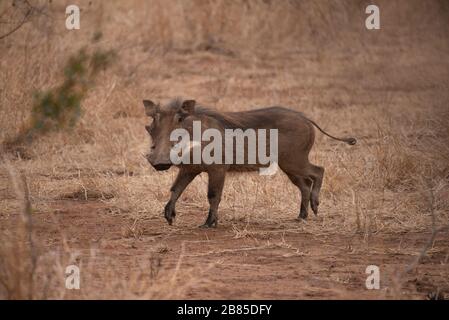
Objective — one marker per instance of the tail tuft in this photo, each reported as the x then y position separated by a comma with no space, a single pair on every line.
351,141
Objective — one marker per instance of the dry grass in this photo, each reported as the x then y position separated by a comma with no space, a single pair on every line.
388,88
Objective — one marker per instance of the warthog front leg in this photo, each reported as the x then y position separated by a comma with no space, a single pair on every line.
183,179
215,189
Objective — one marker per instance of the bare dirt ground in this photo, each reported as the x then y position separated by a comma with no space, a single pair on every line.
95,202
267,261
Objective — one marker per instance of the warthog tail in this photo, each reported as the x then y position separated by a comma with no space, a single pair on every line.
351,141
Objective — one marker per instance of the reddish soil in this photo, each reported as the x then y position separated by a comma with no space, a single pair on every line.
270,262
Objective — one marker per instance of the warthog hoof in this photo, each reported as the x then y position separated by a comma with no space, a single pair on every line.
211,222
169,213
207,225
314,203
302,215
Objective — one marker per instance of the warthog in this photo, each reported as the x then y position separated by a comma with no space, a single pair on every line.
295,140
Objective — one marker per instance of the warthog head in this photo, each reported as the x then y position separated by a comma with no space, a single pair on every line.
166,119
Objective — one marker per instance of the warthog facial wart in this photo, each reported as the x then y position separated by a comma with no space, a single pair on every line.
191,137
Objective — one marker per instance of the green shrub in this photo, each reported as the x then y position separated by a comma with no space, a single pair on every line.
60,107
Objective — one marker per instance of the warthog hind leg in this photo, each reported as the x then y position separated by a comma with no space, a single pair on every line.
317,177
304,185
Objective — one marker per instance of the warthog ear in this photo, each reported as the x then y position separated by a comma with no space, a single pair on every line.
150,108
188,106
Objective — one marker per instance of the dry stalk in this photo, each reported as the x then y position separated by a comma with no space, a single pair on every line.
399,279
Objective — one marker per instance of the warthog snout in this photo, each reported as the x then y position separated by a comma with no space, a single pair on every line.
161,166
156,164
